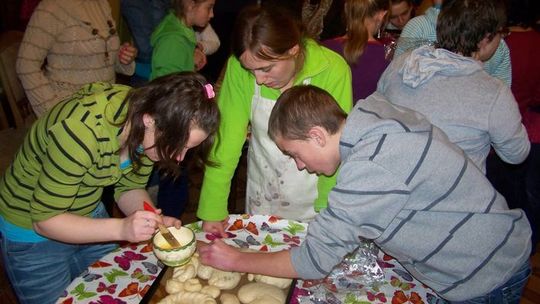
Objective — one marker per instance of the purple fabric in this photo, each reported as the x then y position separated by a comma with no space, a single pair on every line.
368,68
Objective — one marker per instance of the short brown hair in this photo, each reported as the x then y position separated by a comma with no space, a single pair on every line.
302,107
462,24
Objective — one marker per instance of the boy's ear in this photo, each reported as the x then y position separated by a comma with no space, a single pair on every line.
318,135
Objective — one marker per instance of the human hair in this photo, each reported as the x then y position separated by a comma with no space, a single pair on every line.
177,102
180,6
267,32
302,107
356,13
394,2
521,13
462,24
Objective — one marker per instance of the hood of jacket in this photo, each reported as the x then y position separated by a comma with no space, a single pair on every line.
425,62
171,25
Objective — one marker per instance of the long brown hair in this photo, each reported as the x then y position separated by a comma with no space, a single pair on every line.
177,102
356,13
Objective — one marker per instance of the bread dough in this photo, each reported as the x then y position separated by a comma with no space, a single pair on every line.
261,293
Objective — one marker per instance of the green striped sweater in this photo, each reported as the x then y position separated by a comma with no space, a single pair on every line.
68,157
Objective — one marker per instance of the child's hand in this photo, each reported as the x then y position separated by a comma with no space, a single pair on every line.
216,228
169,221
219,255
139,226
127,53
199,58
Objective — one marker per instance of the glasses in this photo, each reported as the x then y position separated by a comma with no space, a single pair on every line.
504,32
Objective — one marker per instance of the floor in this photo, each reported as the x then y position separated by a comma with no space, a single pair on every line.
10,140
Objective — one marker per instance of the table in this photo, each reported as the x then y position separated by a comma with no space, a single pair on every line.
125,275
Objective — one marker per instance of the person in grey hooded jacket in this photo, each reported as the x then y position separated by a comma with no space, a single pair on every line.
401,184
447,83
421,30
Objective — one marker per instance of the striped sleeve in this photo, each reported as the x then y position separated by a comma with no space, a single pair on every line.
134,180
70,153
499,65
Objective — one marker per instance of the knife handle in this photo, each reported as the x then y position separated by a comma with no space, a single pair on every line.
148,207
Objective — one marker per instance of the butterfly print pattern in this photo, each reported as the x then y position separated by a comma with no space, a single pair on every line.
125,275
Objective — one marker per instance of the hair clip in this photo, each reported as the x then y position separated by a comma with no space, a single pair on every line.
209,91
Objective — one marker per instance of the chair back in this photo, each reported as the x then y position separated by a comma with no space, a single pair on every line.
20,108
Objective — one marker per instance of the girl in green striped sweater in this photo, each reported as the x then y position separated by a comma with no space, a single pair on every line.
50,197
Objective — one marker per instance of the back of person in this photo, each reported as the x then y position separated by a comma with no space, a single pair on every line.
474,243
449,85
422,30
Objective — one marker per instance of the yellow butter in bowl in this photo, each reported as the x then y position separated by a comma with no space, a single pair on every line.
175,256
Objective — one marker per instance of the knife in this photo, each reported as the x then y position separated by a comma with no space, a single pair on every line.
167,235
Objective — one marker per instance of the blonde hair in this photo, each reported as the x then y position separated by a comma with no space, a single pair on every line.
356,13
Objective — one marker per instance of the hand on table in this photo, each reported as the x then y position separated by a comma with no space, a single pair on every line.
216,228
127,53
219,255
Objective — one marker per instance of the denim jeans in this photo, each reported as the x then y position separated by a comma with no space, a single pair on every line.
509,293
39,272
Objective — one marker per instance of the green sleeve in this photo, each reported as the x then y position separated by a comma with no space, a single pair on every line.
338,82
72,151
234,100
172,53
134,179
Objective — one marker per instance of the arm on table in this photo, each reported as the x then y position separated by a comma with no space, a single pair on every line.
222,256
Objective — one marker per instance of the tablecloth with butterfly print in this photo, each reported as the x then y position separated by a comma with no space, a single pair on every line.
125,275
121,277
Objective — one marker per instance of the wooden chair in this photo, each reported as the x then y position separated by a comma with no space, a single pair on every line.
20,108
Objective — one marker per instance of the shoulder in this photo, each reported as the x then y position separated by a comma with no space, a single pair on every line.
421,26
318,56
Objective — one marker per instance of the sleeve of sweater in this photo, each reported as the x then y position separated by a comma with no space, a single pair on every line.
209,40
39,37
172,53
234,101
71,152
134,180
499,65
365,200
415,33
508,135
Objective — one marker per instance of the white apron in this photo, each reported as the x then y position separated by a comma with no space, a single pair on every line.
275,186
